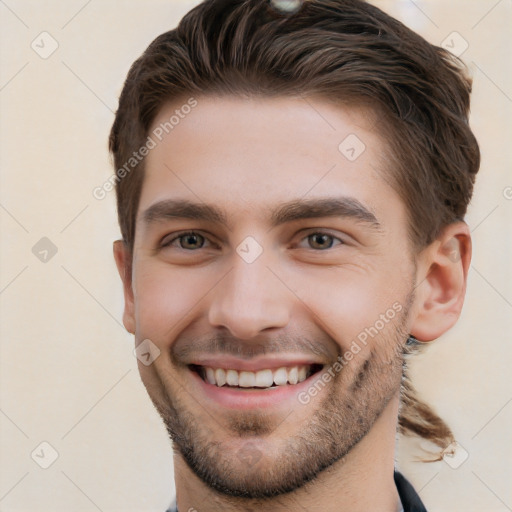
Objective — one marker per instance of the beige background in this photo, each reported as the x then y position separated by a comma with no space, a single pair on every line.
68,376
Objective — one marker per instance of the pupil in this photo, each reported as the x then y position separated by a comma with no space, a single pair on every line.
191,241
322,241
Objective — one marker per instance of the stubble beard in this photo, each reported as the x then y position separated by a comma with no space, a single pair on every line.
353,402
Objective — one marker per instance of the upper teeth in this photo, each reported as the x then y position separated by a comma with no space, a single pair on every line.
259,379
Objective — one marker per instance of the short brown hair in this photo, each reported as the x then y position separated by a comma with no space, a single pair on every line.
342,50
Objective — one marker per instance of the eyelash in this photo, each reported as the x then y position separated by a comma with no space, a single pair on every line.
182,235
205,238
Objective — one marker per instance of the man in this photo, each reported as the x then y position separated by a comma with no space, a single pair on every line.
292,180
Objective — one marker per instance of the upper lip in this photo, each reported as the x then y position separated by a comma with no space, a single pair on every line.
254,364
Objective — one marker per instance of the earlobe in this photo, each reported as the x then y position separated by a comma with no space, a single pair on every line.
123,258
442,277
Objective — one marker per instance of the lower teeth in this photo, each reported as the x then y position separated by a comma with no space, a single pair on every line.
254,387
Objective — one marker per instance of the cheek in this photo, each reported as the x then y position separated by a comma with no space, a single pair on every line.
166,300
351,305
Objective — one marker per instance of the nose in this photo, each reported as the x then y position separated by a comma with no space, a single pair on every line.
250,299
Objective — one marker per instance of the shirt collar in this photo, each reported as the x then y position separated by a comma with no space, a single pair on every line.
410,500
408,496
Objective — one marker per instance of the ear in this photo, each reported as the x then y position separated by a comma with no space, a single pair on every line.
442,276
123,257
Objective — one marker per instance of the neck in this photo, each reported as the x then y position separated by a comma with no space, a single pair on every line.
361,481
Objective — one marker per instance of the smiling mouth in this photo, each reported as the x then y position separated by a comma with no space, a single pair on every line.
261,379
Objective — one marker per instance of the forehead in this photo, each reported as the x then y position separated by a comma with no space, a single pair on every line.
249,155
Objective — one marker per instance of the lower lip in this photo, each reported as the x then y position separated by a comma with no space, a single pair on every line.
239,398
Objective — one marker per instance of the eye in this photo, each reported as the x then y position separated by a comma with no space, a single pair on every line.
189,241
321,241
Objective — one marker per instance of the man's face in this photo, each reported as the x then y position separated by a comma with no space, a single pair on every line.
264,253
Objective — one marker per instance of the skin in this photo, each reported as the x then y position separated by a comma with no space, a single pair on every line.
305,294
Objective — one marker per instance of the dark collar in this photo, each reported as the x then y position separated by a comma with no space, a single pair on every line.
410,499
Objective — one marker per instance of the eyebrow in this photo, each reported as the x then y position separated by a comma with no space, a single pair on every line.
299,209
